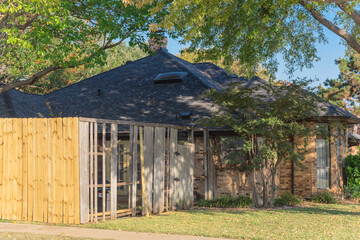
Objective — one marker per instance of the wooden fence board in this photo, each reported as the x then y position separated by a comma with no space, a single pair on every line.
173,169
96,169
84,173
45,168
1,167
186,163
76,168
113,172
30,167
59,172
103,168
159,170
149,163
134,160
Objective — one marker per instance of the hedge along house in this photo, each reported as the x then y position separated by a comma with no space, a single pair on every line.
162,89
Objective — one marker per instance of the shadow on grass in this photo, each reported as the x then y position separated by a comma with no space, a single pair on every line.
322,210
326,210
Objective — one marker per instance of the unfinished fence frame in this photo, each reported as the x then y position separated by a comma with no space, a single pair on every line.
46,175
166,168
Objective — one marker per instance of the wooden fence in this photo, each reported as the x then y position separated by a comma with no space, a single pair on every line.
39,170
72,170
132,167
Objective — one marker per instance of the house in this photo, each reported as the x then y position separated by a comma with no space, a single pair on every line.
163,88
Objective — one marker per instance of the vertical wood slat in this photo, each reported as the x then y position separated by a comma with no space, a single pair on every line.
149,163
103,168
84,173
173,170
6,171
167,170
210,171
186,164
76,164
143,181
45,168
1,167
30,170
38,211
51,170
91,172
159,168
96,169
113,171
134,159
60,173
206,164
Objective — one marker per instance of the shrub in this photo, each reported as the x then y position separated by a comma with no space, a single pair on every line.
324,197
227,202
352,171
287,199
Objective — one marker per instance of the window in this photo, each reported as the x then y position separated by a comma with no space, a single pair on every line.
343,149
323,163
231,150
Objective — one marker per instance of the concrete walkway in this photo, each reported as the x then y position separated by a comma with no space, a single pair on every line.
92,233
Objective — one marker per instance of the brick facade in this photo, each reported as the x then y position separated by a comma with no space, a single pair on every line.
232,182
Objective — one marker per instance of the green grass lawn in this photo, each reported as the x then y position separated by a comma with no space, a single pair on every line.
312,222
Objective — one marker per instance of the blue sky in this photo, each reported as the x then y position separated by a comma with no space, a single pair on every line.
323,69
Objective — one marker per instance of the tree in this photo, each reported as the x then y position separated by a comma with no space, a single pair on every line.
58,79
344,90
39,37
255,32
266,119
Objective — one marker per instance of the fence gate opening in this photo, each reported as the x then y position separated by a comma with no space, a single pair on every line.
128,168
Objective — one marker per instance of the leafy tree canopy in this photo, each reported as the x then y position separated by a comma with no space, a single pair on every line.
255,32
266,118
39,37
60,78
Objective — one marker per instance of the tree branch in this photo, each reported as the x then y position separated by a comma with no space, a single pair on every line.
331,1
39,75
351,13
29,81
332,27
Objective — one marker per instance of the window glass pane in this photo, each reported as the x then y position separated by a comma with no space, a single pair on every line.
323,163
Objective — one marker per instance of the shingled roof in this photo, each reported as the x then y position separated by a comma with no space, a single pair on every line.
129,93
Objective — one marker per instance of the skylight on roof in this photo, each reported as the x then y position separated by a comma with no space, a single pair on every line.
170,77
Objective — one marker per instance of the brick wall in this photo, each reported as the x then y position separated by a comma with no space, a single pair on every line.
232,182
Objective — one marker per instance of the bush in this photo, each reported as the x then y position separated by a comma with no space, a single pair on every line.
287,199
352,171
227,202
324,197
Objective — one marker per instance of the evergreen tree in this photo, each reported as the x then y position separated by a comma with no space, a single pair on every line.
344,90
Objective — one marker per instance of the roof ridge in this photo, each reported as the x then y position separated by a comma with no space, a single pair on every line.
208,82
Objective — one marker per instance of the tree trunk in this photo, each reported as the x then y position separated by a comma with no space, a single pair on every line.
273,174
252,179
265,188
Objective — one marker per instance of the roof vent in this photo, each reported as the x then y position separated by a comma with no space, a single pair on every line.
170,77
186,115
